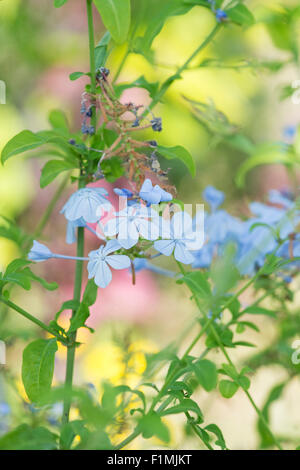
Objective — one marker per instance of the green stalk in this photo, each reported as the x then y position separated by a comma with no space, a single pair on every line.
72,349
31,318
48,212
168,82
80,232
89,9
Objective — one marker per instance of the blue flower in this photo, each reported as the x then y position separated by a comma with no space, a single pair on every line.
221,15
39,252
278,218
213,196
178,237
204,257
101,259
86,203
123,192
221,227
131,223
289,132
154,195
282,198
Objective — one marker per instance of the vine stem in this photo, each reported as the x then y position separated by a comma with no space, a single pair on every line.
48,212
89,9
71,350
30,317
168,82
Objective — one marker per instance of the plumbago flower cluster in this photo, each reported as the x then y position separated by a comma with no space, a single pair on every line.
217,256
253,238
136,222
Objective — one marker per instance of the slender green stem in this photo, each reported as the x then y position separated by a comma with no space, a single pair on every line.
48,212
80,232
197,431
39,230
72,349
89,9
31,318
168,82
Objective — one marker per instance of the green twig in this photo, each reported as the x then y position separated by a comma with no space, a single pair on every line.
168,82
31,318
80,232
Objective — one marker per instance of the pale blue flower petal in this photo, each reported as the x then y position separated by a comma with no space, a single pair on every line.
103,275
111,245
182,254
127,243
165,247
118,261
39,252
213,196
87,203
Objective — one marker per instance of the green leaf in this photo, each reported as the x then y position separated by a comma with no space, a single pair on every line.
141,82
38,368
52,169
225,336
213,428
241,15
59,3
256,310
264,154
181,153
101,50
75,75
12,232
228,388
112,169
80,317
58,120
185,406
206,373
152,425
115,15
25,140
15,266
274,395
70,430
67,305
244,382
155,16
20,279
26,438
90,293
198,284
182,387
47,285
